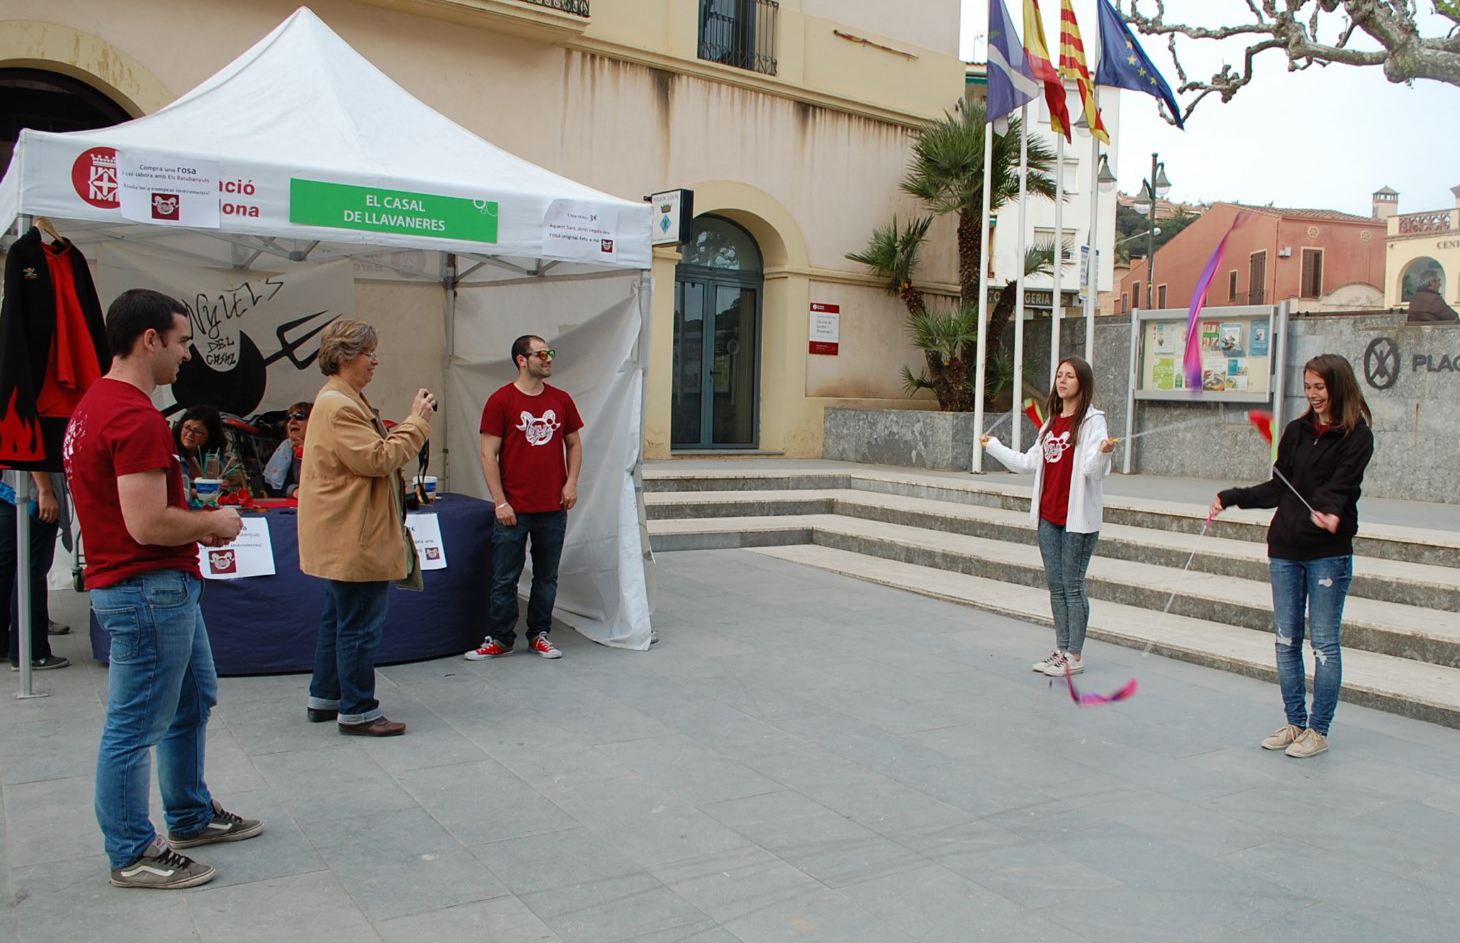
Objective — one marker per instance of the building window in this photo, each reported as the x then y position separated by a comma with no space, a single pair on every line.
1257,278
1160,296
1045,238
1124,302
1312,286
740,33
1232,286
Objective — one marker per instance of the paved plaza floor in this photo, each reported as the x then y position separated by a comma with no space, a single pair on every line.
803,757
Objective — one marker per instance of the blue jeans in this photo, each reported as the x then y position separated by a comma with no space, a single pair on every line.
161,688
1066,558
509,554
344,657
42,554
1317,589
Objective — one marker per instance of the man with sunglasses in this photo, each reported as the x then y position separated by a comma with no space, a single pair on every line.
531,455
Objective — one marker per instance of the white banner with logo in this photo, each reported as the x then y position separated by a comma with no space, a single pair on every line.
250,554
255,333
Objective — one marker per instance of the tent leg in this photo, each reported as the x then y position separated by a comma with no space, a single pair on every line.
23,603
448,312
645,292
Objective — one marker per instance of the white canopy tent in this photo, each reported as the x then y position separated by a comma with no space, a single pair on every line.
300,150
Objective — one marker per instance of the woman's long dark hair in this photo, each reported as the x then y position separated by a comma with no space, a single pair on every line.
1346,404
211,420
1056,404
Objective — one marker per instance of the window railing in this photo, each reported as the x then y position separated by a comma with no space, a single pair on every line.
740,33
575,7
1256,296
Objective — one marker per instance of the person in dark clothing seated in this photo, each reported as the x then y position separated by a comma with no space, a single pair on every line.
1428,304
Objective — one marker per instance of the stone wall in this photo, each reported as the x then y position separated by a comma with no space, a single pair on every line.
909,437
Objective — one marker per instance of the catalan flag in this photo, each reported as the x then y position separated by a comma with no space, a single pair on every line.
1072,66
1037,51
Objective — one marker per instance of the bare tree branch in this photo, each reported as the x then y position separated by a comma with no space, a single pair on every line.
1294,26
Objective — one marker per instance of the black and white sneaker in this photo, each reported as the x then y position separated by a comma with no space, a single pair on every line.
225,827
164,869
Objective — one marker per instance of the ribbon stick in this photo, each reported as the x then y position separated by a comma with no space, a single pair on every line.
1167,608
997,423
1095,700
1174,425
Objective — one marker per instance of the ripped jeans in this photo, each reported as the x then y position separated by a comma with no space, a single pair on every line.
1315,589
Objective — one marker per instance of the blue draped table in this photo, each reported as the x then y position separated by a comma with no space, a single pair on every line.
268,624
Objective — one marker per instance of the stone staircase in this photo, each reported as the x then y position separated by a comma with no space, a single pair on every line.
968,539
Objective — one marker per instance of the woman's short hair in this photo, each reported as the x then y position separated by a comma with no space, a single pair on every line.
343,341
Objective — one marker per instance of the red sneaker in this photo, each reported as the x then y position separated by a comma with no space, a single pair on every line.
491,648
543,647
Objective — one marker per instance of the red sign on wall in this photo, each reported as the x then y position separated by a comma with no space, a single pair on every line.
825,329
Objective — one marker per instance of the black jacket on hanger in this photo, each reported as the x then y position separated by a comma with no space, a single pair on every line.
27,329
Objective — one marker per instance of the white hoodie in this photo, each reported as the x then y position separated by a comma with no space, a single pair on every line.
1087,478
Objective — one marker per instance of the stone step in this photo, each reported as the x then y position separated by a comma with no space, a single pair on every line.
1392,543
1413,584
1412,688
1372,625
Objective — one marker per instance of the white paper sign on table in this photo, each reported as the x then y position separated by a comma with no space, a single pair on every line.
250,554
426,531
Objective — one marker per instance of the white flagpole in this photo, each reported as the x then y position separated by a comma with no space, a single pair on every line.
1092,277
1018,397
983,297
1059,250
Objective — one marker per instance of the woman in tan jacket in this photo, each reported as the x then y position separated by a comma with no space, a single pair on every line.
352,525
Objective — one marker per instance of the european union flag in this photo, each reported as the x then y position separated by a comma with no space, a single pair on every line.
1124,64
1011,79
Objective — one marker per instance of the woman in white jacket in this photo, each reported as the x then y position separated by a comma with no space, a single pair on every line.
1070,459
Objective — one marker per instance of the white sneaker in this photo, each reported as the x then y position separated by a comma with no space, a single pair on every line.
1309,743
1057,667
1049,659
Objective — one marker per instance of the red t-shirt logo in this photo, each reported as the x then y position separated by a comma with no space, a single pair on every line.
539,431
165,206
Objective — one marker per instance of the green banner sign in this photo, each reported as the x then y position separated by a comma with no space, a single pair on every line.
373,209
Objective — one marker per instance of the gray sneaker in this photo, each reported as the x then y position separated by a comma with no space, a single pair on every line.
225,827
162,868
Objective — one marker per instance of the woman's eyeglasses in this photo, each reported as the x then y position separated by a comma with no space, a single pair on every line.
299,416
544,355
194,433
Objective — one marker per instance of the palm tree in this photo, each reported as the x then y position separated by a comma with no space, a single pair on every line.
945,338
892,254
947,175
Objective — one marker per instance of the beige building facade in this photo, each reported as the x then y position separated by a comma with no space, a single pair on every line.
790,121
1422,250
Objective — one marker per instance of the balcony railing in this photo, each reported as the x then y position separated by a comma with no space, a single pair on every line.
740,33
1413,223
575,7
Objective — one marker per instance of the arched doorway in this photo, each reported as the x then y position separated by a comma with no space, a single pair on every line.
49,101
718,286
1423,272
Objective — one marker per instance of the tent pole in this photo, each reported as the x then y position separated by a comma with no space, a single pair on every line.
24,605
448,282
645,292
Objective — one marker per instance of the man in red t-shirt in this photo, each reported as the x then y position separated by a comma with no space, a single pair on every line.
531,454
142,570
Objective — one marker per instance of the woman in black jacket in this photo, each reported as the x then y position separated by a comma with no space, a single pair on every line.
1322,454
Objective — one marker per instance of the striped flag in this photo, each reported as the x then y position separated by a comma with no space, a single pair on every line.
1054,86
1011,83
1072,66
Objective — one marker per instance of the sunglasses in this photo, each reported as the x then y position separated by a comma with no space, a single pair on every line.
300,416
544,355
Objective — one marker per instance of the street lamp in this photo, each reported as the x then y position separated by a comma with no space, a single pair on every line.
1146,202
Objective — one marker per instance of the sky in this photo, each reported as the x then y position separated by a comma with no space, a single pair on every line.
1324,138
